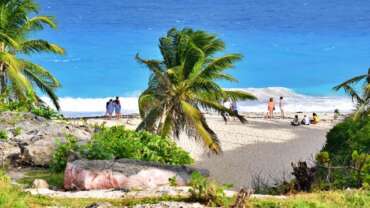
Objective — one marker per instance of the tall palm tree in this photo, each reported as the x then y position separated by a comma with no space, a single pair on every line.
184,82
362,99
19,76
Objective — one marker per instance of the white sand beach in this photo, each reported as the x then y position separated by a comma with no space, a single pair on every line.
261,148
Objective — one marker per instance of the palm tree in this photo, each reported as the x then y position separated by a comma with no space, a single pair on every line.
19,76
184,82
362,99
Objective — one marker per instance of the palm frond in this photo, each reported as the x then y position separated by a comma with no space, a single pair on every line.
38,22
236,95
208,137
37,46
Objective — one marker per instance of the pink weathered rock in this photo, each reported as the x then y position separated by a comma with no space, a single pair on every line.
122,174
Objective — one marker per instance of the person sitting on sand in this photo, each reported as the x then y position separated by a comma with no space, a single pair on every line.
315,118
295,121
109,108
281,106
270,108
117,107
305,120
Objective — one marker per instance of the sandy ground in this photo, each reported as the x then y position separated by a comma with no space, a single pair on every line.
261,150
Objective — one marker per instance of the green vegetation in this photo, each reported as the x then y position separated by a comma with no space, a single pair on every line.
345,159
18,76
118,142
46,112
3,135
62,152
53,179
185,81
208,192
17,131
362,99
41,110
333,199
12,196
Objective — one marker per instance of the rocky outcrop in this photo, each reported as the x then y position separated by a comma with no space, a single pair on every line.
33,139
123,174
40,184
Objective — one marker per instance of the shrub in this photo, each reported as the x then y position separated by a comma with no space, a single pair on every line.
345,159
10,196
46,112
118,142
62,152
347,137
3,135
208,192
17,131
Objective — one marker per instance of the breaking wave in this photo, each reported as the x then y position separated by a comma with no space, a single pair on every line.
294,102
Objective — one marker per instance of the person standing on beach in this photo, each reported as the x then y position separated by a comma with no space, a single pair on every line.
270,108
281,106
234,108
117,107
109,108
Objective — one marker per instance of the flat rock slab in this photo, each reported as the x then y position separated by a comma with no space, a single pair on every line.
114,194
123,174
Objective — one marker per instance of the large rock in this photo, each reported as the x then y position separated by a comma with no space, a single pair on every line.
35,138
8,153
123,174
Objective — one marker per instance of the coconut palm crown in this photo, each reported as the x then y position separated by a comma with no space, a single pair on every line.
185,82
361,98
20,77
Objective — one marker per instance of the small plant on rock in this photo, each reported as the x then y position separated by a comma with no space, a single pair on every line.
3,135
62,152
208,192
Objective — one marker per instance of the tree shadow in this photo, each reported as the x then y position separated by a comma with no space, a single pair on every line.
269,160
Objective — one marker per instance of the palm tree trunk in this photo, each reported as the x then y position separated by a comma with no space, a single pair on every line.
2,73
161,121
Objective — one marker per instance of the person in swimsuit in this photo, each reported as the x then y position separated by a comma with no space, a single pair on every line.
117,107
270,108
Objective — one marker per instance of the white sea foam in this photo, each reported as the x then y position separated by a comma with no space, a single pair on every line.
294,102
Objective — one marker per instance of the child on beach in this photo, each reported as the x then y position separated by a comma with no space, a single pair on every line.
117,107
270,108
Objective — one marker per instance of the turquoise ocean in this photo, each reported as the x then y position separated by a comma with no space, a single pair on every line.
295,48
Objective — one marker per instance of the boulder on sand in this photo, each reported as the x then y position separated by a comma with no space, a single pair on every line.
123,174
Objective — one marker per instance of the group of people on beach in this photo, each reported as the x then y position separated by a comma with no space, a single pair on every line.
113,106
271,107
305,121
